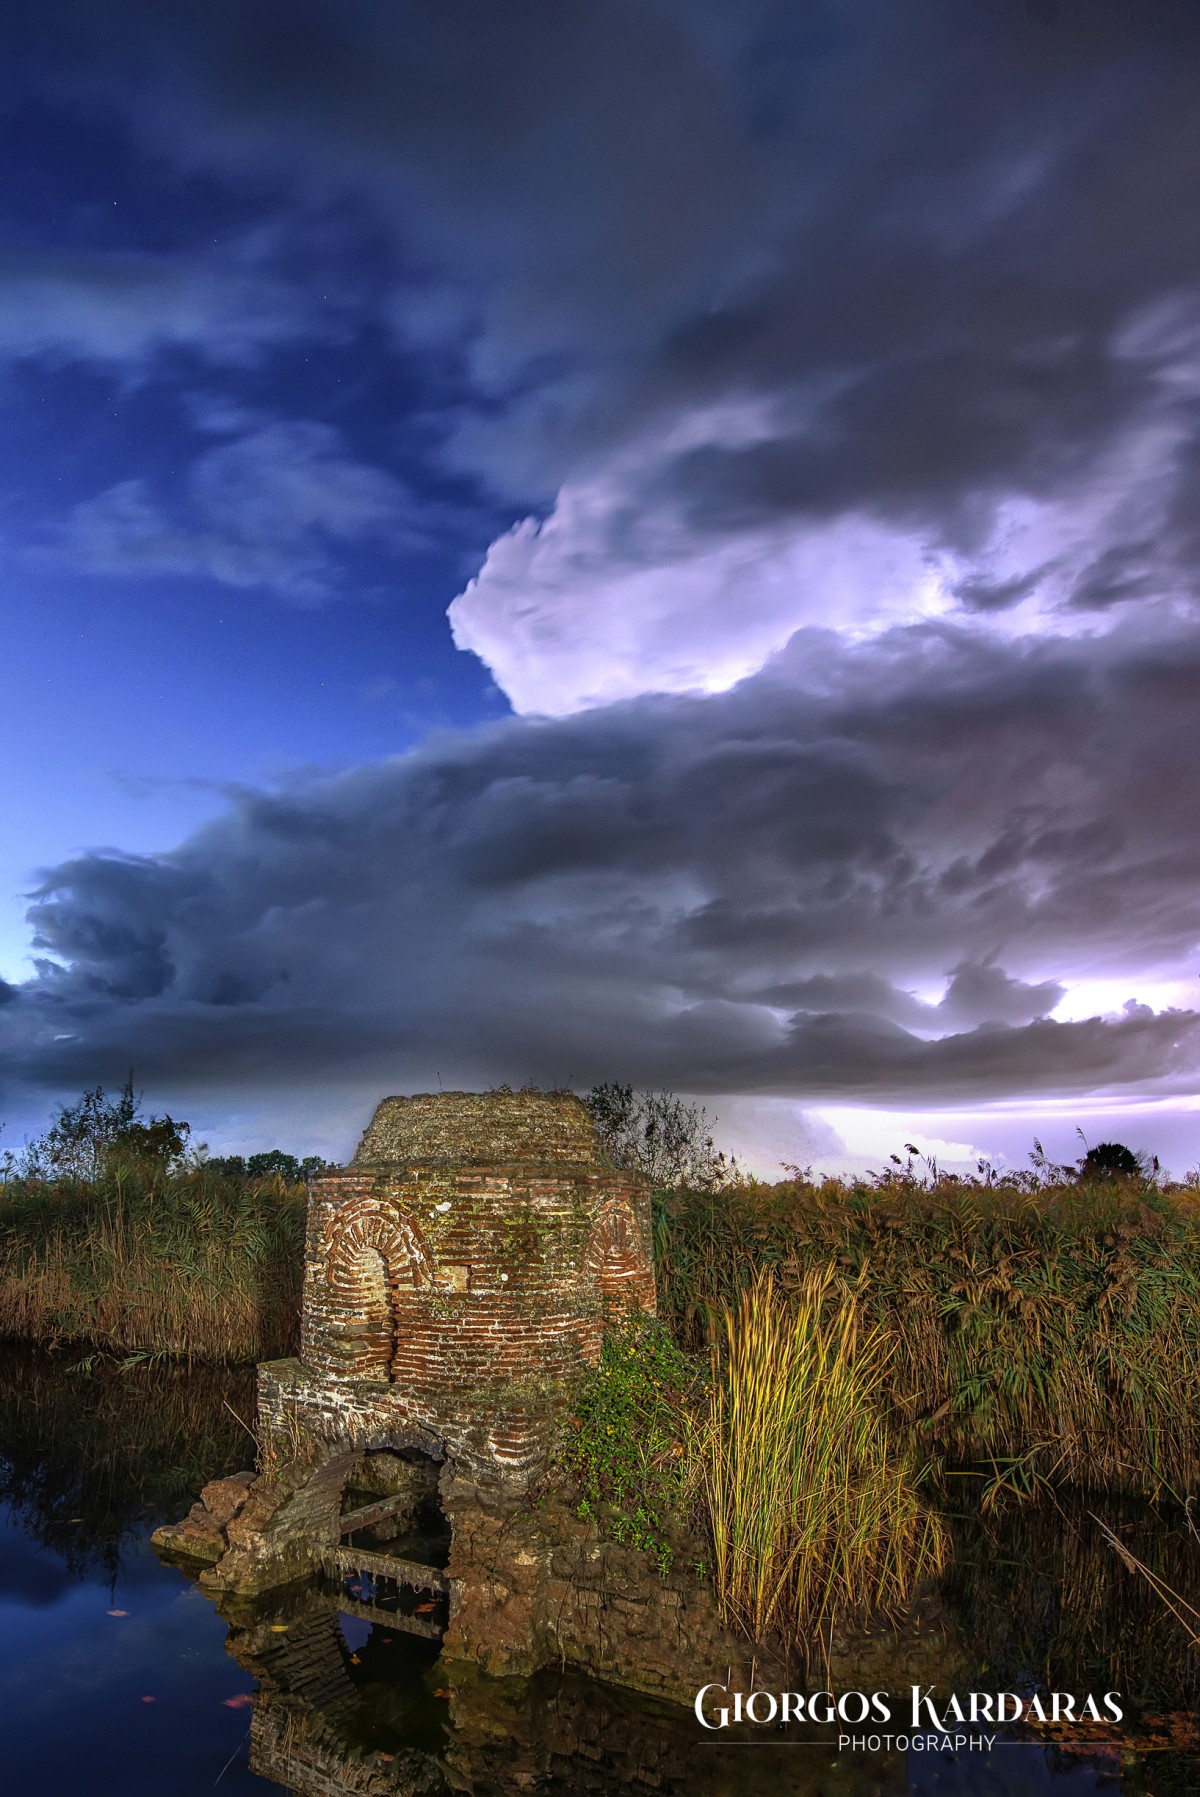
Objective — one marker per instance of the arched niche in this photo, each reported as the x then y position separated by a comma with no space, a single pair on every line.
375,1260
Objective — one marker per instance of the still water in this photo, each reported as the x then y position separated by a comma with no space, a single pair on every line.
119,1679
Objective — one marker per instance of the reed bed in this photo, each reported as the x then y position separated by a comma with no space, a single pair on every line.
1046,1334
192,1264
814,1511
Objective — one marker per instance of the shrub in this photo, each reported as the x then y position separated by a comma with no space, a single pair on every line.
627,1445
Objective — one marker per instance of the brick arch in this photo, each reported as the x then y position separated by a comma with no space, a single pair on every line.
618,1258
375,1258
364,1223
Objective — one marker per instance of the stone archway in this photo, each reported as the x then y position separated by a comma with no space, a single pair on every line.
375,1259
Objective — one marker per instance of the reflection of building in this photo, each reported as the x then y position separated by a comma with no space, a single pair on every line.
392,1720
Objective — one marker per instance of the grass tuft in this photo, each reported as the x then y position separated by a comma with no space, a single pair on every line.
814,1511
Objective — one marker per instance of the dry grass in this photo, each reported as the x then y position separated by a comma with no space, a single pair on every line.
814,1511
187,1264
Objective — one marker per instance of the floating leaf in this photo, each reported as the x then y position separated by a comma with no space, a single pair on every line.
239,1702
118,1612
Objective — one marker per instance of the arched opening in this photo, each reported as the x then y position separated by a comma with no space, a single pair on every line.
393,1543
376,1261
370,1327
617,1259
402,1485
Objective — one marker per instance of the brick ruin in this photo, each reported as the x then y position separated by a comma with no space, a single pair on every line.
456,1279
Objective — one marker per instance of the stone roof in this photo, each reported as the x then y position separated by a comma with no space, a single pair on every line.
480,1128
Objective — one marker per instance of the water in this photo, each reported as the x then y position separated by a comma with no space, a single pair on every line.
117,1675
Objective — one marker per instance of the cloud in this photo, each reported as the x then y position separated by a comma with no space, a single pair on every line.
611,596
737,893
265,510
781,316
647,576
845,360
980,992
111,308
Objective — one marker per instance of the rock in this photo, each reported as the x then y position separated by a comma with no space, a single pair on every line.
197,1538
201,1534
223,1498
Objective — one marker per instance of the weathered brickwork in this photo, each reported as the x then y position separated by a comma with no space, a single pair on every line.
457,1277
457,1273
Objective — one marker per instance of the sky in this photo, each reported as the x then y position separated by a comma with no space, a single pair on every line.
592,540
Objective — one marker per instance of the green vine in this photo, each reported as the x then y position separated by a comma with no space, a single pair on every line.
627,1443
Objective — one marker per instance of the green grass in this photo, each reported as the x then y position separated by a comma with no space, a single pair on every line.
190,1264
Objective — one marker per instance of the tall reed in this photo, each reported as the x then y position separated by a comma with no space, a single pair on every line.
192,1264
1048,1334
814,1511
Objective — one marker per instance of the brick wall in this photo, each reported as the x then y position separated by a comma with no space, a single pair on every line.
456,1279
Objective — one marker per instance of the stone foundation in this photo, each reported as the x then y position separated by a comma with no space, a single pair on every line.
533,1586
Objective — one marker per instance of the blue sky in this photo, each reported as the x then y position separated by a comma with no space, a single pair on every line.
631,541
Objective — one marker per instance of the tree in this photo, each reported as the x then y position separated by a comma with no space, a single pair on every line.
274,1160
1112,1160
271,1161
660,1135
87,1137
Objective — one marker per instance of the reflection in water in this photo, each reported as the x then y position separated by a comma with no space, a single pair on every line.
352,1707
120,1665
92,1445
1046,1603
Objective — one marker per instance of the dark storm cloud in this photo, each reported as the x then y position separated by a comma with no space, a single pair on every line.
745,270
978,992
924,234
734,893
